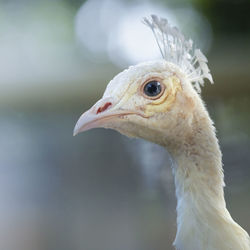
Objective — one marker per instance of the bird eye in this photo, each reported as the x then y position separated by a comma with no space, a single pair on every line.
152,88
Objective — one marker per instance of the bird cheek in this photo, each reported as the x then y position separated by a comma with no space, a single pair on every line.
164,107
167,100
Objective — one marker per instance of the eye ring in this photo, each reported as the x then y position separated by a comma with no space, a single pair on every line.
155,90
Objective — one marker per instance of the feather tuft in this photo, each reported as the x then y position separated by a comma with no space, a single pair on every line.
176,49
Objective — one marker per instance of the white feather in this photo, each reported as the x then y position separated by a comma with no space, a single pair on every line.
176,49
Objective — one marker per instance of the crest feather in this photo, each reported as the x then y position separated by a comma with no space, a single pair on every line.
176,49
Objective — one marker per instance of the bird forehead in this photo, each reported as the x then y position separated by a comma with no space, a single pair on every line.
131,76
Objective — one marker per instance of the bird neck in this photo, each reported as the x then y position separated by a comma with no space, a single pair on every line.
203,221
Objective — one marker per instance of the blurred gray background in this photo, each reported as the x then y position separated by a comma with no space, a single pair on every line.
100,190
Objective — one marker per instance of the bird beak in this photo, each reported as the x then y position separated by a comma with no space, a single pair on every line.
102,114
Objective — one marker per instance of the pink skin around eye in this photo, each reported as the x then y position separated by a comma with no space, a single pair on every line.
104,107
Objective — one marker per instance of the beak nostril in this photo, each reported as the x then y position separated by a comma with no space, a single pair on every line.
104,107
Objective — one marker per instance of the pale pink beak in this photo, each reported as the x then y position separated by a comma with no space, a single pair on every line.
100,115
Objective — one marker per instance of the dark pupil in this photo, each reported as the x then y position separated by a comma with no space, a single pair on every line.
152,88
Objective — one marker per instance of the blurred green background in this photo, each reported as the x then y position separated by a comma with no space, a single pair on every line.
100,190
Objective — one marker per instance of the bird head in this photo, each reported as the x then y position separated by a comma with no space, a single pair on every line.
153,100
146,100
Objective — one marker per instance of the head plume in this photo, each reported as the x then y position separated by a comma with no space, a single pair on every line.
176,49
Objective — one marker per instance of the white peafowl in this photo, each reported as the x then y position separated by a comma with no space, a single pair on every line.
159,101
